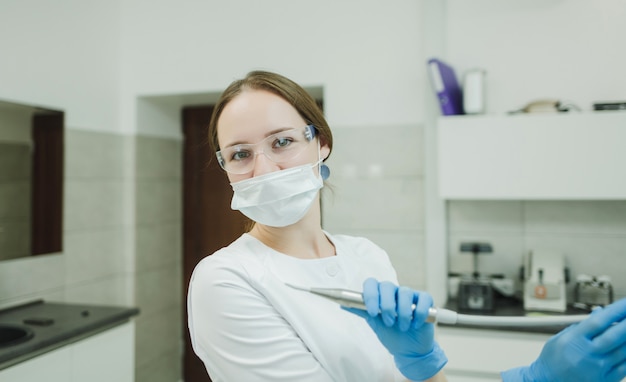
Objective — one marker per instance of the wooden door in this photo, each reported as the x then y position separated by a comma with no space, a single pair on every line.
208,222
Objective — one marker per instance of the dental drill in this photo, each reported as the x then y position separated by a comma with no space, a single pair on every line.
353,299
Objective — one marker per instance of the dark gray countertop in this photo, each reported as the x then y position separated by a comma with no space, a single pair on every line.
54,325
510,307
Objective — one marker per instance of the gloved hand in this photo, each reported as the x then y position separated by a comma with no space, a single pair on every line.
402,330
592,350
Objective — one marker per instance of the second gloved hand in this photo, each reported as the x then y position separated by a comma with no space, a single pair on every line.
402,329
592,350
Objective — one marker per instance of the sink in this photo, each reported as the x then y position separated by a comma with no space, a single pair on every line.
14,334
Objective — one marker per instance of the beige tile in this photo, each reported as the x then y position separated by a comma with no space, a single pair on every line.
90,154
158,201
96,254
158,157
159,289
165,368
158,245
158,334
94,204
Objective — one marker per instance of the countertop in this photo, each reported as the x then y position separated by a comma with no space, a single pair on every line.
54,325
511,307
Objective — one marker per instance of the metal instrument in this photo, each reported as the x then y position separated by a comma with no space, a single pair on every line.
353,299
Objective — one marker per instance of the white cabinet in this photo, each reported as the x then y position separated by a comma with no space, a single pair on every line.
574,156
106,356
480,355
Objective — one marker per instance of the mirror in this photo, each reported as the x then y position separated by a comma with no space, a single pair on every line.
31,180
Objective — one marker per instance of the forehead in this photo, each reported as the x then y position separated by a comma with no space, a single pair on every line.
251,115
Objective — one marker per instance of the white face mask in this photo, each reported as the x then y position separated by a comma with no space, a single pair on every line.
277,199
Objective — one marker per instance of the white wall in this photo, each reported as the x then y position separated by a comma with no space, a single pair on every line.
536,49
63,55
365,54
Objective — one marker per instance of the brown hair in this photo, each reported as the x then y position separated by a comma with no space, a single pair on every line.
282,87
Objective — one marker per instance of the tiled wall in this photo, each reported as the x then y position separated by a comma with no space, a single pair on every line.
158,248
590,234
94,266
376,191
97,228
122,242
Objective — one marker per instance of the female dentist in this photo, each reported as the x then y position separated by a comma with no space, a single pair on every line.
245,322
592,350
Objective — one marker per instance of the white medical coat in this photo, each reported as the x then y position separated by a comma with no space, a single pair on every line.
247,325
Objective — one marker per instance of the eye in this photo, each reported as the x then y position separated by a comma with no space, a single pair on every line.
239,155
282,142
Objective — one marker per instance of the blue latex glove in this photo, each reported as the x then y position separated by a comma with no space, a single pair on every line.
402,330
592,350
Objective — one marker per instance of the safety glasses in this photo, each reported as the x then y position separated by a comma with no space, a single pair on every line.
280,148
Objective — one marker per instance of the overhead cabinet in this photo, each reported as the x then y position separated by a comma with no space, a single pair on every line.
573,156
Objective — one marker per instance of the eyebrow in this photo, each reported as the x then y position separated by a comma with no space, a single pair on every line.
271,132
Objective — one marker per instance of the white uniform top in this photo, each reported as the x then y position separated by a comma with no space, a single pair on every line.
247,325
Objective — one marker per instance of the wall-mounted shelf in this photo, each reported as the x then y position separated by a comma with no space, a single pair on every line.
577,156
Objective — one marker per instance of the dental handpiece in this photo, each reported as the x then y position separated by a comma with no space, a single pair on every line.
354,299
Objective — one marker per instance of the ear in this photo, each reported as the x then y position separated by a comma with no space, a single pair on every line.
324,150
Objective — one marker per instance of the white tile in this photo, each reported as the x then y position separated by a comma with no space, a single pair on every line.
31,275
115,290
499,216
374,204
56,295
606,217
368,151
506,258
406,252
586,253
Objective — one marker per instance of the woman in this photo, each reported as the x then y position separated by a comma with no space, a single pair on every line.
246,322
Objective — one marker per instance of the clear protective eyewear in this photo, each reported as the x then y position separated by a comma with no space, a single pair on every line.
280,147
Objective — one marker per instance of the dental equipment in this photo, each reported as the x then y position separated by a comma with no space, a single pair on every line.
354,299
